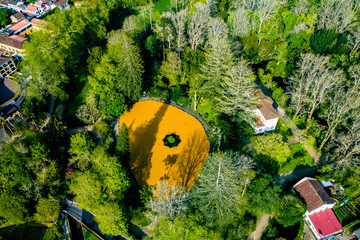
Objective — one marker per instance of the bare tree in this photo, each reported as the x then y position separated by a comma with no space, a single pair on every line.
342,105
310,85
239,22
198,24
170,200
354,40
218,59
264,9
237,94
217,29
218,191
178,20
336,14
347,153
300,7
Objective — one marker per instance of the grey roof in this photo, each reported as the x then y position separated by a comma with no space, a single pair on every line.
357,233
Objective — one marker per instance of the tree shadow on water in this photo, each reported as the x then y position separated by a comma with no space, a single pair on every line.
143,140
192,159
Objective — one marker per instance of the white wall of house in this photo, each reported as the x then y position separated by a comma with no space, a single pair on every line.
322,208
269,124
309,222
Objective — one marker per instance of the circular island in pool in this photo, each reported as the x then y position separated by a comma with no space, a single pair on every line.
165,143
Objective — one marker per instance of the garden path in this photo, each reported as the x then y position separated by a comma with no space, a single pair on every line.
261,224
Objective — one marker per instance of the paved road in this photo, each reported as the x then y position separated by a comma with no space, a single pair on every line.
297,174
86,218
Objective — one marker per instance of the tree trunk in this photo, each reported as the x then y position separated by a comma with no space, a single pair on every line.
309,117
218,176
327,136
195,101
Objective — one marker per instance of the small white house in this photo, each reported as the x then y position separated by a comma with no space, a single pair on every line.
265,116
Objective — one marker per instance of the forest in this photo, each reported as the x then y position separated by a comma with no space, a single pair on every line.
94,62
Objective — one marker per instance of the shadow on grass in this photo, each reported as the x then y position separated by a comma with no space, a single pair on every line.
144,138
191,159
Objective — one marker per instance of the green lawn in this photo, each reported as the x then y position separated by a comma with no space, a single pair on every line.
205,108
89,235
299,158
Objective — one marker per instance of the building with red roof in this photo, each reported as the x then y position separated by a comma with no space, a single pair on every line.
324,223
34,10
266,116
319,215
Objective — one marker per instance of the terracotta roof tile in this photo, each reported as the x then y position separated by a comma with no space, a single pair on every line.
4,39
313,193
266,105
18,16
60,2
17,38
31,8
38,22
19,25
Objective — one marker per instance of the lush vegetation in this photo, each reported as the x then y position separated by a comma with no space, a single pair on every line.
94,62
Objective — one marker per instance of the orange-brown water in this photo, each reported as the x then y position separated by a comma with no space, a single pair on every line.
148,123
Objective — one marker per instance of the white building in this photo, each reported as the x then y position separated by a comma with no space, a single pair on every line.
319,215
265,116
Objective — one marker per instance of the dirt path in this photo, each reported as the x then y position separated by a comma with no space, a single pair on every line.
261,224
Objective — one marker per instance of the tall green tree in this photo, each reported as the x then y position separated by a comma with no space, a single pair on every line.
51,53
237,94
81,146
292,210
47,211
179,229
271,145
218,60
13,206
122,144
118,75
264,195
219,190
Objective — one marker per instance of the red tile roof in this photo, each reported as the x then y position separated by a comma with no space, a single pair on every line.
4,39
18,16
31,8
19,25
259,122
38,22
266,105
325,222
313,193
17,38
60,2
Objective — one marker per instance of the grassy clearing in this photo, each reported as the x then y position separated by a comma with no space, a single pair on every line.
205,108
299,158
